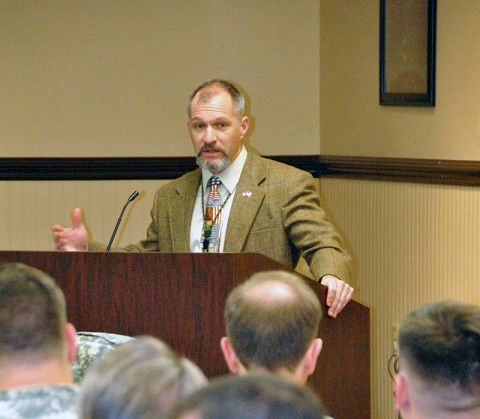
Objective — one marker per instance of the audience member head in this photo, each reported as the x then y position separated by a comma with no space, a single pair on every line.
252,396
142,378
272,324
37,345
439,347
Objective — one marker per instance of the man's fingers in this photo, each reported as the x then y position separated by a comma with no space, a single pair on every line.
349,294
71,238
77,219
341,296
335,296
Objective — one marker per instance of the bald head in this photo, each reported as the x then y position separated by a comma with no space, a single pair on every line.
271,319
271,292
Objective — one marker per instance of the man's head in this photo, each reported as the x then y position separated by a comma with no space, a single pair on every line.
33,324
217,124
142,378
439,347
272,324
262,396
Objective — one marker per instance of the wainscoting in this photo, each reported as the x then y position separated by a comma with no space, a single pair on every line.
411,243
413,227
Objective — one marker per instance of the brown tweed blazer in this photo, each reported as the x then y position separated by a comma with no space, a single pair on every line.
281,219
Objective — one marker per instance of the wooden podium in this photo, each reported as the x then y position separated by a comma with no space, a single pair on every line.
179,297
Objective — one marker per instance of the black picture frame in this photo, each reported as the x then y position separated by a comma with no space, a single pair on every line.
407,52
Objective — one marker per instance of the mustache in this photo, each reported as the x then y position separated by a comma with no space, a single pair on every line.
211,148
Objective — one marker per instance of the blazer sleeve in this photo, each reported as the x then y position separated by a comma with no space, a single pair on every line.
310,231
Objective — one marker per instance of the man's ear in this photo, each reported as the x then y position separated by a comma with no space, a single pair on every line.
311,356
230,356
244,124
71,339
402,401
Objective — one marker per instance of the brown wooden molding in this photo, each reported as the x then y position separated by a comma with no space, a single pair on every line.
94,168
116,168
448,172
451,172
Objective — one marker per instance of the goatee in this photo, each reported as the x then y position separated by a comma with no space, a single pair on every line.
215,166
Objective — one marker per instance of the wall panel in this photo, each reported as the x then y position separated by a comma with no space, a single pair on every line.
411,243
30,208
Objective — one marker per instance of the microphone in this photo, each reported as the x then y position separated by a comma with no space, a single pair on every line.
130,199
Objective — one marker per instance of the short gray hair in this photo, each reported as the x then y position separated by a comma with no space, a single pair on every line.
237,97
141,378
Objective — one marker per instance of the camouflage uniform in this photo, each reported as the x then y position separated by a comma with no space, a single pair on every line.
39,402
92,346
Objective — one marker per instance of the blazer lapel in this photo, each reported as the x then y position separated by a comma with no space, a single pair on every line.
180,210
248,198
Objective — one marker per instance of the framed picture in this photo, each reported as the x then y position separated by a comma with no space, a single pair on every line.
407,52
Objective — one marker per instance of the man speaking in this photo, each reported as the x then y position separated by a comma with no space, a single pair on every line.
236,201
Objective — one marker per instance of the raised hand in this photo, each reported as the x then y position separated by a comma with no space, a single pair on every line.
71,239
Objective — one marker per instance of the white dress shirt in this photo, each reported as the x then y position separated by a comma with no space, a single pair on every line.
229,178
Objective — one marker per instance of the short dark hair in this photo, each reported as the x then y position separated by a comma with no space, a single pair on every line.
256,396
439,342
237,97
272,332
32,314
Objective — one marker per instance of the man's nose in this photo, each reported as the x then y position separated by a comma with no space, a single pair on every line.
210,135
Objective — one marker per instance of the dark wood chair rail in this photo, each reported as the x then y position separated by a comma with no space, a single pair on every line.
451,172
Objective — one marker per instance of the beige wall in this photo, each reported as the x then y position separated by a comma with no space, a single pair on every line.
352,121
31,208
112,77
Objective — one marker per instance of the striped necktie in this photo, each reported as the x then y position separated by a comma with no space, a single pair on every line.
212,219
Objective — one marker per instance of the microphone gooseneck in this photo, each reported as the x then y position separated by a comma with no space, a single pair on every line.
132,196
130,199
